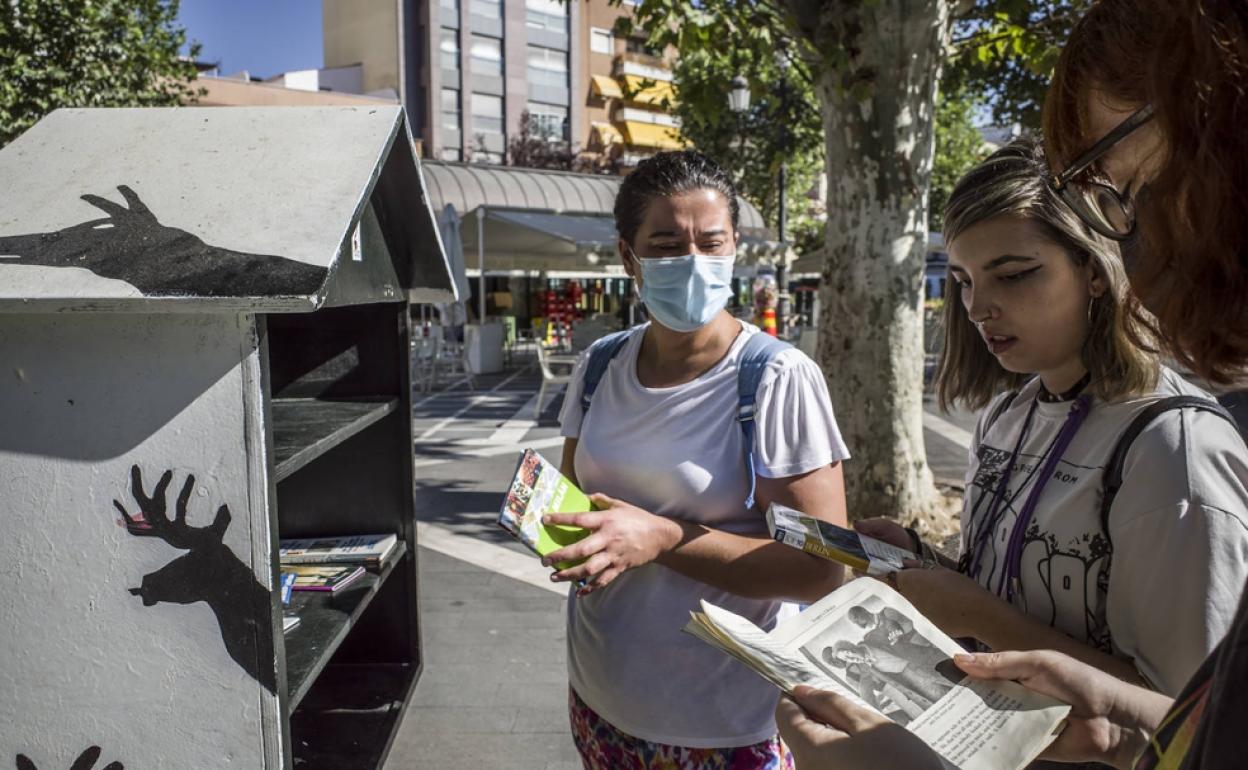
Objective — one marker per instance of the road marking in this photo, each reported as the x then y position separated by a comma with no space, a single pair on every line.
447,392
473,401
514,428
495,558
477,429
463,451
945,429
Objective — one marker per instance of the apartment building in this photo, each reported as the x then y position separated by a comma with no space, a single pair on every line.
629,98
469,70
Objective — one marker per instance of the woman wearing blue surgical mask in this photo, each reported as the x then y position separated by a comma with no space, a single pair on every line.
682,488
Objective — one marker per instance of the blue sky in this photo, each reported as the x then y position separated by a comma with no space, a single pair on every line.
264,37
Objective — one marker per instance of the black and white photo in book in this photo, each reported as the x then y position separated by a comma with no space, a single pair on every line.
875,651
866,642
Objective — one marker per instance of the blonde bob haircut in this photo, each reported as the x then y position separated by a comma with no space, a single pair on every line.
1013,181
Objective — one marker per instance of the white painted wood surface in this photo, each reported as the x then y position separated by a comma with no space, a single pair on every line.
85,663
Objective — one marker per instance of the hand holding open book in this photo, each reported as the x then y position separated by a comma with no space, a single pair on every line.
865,642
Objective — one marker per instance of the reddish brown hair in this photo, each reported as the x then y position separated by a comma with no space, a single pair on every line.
1189,58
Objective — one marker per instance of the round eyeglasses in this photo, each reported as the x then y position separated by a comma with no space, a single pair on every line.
1099,205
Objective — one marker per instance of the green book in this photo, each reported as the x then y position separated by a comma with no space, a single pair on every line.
538,489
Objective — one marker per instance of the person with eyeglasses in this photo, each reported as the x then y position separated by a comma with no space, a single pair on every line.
1052,555
1145,128
657,426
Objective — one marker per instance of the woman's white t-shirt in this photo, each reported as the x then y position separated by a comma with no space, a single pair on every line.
1163,588
678,452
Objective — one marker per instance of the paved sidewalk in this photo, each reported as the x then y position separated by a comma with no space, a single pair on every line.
493,693
494,689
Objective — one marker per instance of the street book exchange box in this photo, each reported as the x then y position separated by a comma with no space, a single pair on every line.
204,346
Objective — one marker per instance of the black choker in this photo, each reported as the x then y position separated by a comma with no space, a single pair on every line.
1069,395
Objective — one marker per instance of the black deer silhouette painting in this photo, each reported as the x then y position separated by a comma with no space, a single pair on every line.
85,761
131,245
208,572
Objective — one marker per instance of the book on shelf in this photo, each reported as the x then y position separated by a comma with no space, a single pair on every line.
846,546
369,550
322,577
865,642
538,488
288,586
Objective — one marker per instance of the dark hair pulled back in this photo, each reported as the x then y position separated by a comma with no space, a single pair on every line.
664,175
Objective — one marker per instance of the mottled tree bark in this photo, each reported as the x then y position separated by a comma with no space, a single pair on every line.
878,89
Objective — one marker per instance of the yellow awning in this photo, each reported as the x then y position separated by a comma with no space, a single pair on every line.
607,133
605,87
654,95
651,135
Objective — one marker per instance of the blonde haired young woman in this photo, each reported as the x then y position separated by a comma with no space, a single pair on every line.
1038,338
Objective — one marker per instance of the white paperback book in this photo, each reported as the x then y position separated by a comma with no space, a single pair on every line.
865,642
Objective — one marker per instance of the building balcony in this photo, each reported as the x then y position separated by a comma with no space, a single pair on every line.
641,65
645,59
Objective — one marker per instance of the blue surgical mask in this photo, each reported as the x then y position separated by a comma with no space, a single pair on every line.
685,293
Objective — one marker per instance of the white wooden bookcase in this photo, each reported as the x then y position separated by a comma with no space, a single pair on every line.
203,327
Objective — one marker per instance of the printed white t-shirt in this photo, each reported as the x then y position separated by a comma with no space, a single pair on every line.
1178,531
678,452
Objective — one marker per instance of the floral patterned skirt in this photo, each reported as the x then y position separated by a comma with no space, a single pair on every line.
603,747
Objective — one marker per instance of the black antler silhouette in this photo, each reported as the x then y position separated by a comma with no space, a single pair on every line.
86,761
208,572
155,523
131,245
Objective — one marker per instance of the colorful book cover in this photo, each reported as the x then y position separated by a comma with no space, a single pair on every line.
825,539
537,489
323,577
350,549
288,585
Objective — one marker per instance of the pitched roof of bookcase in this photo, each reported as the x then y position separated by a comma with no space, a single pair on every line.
230,209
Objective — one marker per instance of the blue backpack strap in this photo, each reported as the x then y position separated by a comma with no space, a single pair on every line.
600,355
758,351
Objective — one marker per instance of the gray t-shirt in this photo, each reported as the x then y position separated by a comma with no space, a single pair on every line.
1163,589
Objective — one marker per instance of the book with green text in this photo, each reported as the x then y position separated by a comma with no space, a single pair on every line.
538,489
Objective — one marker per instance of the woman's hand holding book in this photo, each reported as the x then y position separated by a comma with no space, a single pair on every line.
622,536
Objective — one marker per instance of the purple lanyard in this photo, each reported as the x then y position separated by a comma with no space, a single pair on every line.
1013,556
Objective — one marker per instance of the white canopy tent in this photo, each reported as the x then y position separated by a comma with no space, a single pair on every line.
521,219
453,246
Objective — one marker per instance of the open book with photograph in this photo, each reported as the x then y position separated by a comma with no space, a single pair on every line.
867,643
538,489
839,544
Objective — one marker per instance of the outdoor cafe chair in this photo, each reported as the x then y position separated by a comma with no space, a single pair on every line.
547,361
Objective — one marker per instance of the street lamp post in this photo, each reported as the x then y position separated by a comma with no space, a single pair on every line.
739,96
739,103
782,285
